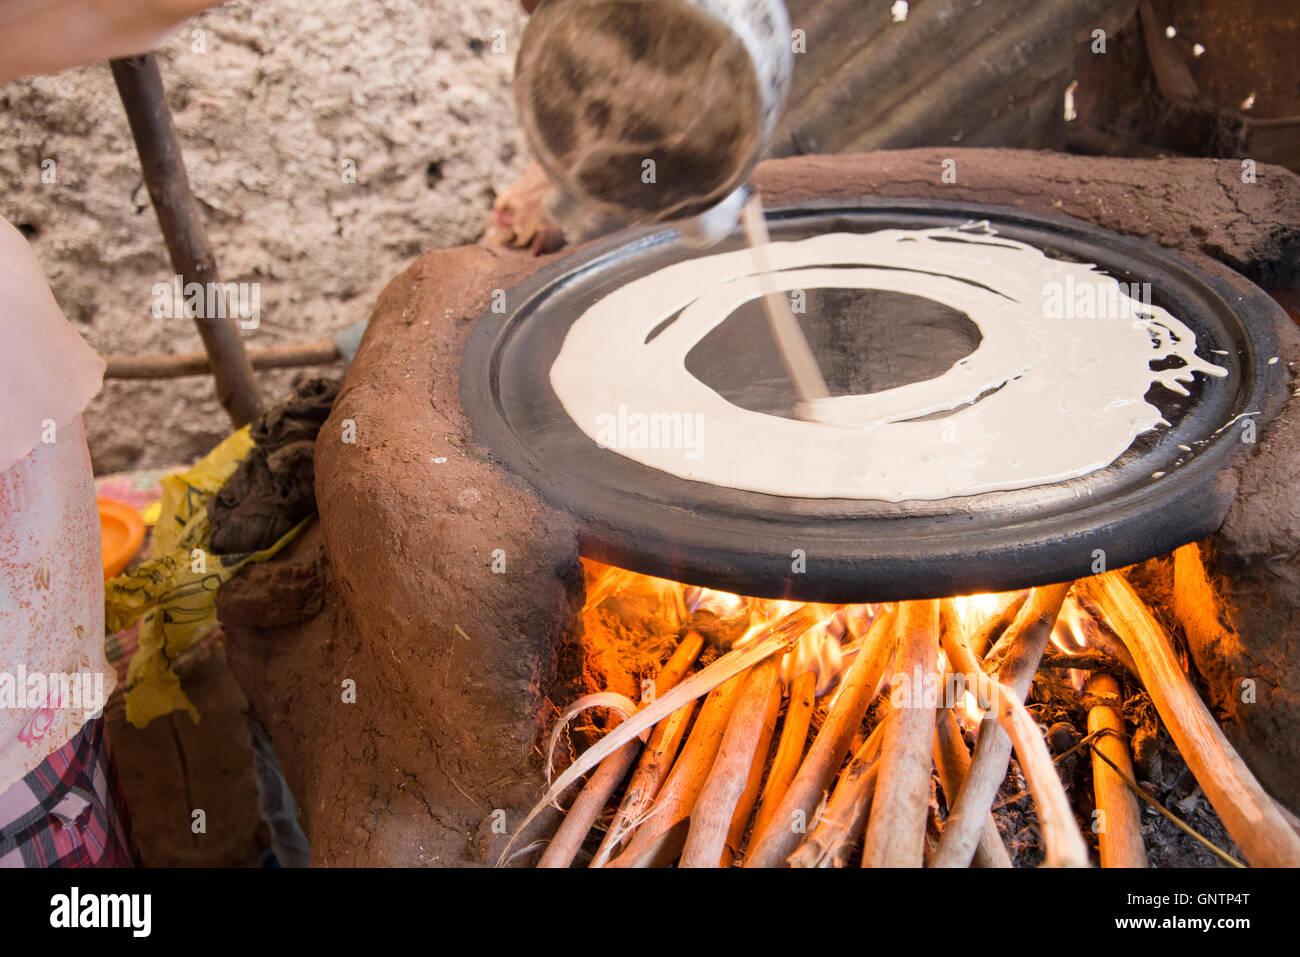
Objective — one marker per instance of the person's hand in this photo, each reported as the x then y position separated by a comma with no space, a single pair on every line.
520,218
49,37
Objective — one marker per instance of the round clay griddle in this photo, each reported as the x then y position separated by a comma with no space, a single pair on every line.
847,550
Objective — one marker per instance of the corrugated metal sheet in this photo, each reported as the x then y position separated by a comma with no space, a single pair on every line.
961,72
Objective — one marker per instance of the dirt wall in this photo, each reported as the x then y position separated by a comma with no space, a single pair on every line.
269,100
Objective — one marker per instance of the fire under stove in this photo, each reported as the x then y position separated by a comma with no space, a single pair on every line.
465,517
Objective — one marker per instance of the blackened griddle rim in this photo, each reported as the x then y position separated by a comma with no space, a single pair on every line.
744,541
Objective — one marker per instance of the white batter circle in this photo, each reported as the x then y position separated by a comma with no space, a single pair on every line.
1049,394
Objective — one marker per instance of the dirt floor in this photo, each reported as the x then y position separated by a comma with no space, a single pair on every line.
175,767
270,100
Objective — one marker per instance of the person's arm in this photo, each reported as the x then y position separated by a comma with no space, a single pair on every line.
45,36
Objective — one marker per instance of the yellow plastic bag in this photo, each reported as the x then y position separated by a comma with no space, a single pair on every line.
174,594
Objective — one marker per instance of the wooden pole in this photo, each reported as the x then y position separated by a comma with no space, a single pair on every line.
1119,830
1246,809
179,364
140,85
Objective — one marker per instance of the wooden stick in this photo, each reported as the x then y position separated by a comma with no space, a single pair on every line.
794,814
1100,636
1246,809
710,823
896,828
644,784
140,85
1082,661
745,808
996,625
770,639
568,839
1027,638
178,364
1012,641
789,752
845,818
660,837
952,761
1063,842
1119,831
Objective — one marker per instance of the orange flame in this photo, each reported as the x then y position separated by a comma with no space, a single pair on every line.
974,610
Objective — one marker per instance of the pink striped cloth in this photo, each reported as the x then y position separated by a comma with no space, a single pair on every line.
69,811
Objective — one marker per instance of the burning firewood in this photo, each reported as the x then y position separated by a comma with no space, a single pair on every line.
656,759
663,833
703,793
772,639
781,837
710,820
1065,847
789,752
995,626
1028,634
845,817
1246,809
1119,834
952,761
745,808
896,828
591,800
1026,639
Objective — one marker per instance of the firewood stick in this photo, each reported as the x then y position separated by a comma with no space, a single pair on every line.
794,813
768,639
995,626
1083,661
1064,844
932,830
1061,837
1287,815
582,814
659,839
845,818
789,752
1246,809
1119,832
745,808
952,760
656,760
896,827
706,835
1026,638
